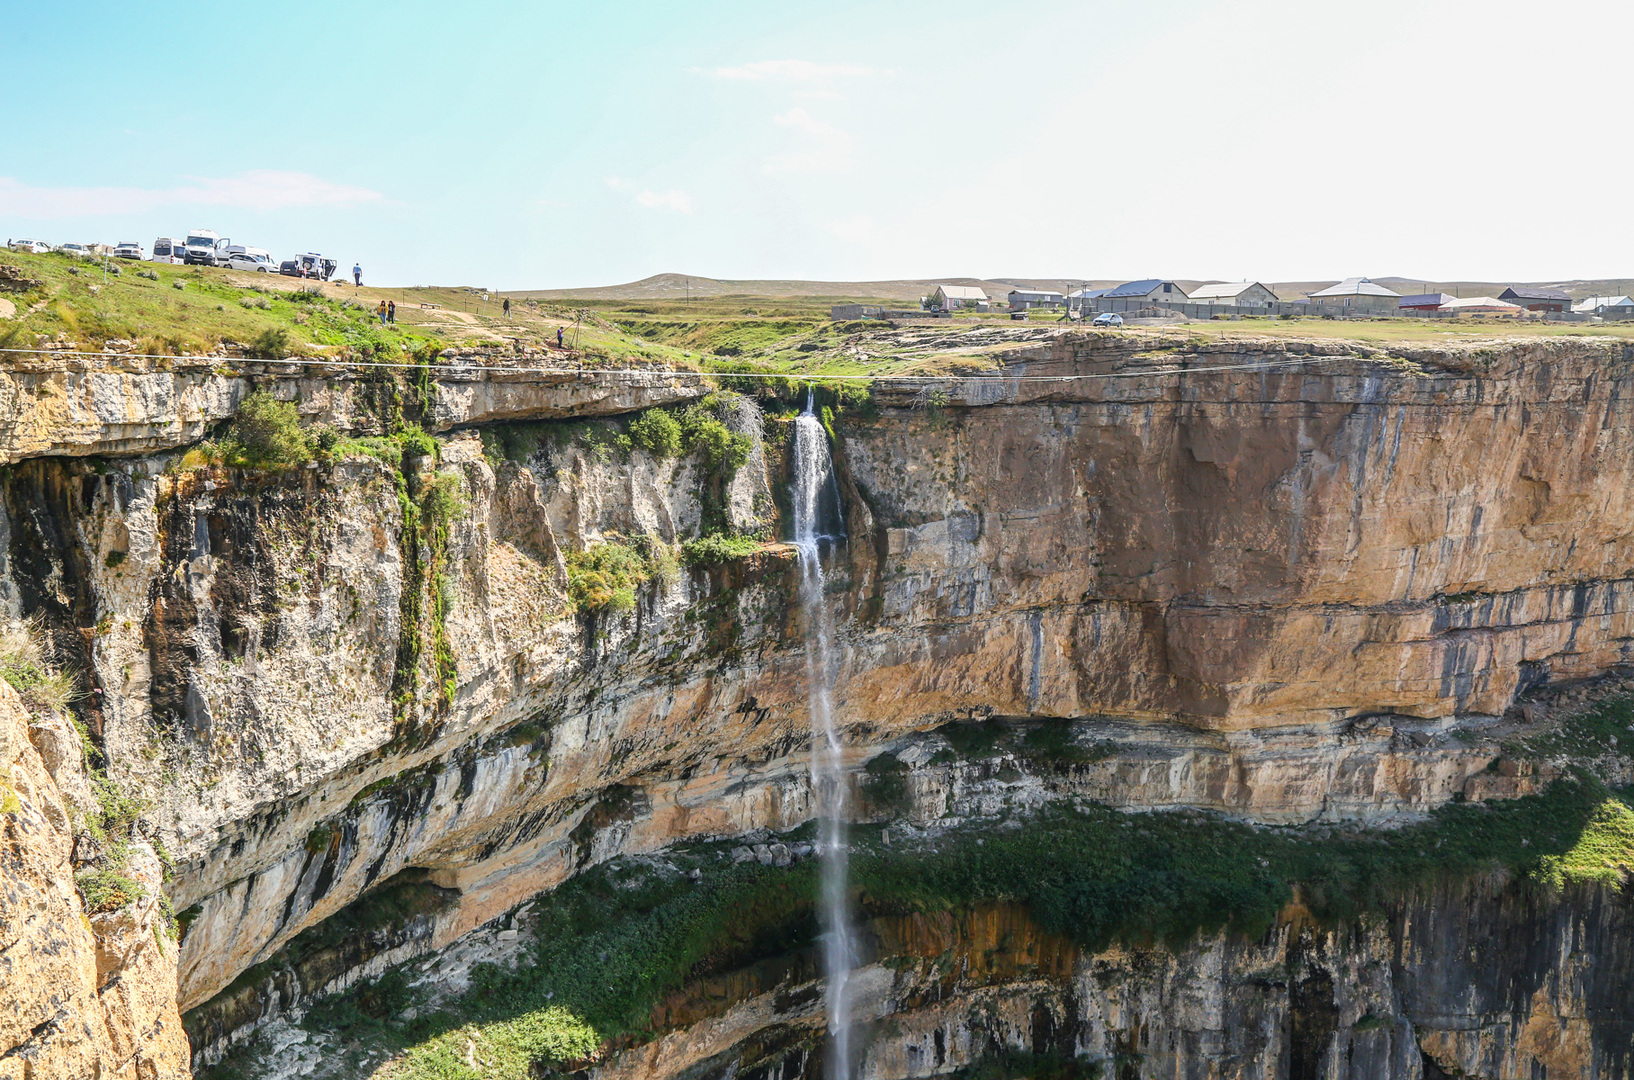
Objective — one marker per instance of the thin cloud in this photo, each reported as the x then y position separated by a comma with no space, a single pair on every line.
256,189
786,71
679,201
823,146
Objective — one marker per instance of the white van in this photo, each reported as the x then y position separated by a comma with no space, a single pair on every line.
251,258
168,249
205,248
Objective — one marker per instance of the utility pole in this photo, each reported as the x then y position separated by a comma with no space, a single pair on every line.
577,319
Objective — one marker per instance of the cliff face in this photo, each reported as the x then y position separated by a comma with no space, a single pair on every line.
86,994
1302,588
1404,996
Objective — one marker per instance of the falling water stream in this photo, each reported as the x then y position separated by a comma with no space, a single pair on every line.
817,522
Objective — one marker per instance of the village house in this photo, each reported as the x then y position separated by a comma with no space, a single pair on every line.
1154,290
1536,299
1423,302
1084,299
1356,294
1024,299
1235,293
952,297
1604,305
1482,305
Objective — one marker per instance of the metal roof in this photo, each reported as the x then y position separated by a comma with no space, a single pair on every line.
962,292
1594,303
1529,292
1430,299
1086,294
1353,286
1225,289
1480,303
1032,294
1133,288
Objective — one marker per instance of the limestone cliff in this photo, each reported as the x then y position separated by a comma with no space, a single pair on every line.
1288,583
86,994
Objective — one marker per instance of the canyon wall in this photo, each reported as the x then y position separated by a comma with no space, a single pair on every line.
1295,583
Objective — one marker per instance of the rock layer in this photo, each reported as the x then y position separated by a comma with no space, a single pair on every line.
84,996
1276,585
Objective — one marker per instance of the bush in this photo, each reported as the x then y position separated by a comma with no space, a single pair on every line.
606,576
270,344
105,890
658,433
268,432
23,665
716,548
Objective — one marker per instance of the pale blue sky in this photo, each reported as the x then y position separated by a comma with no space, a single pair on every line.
516,145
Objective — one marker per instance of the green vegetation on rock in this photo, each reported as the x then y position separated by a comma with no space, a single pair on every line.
717,548
614,940
606,576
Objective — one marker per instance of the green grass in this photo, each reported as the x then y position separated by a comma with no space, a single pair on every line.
615,939
142,303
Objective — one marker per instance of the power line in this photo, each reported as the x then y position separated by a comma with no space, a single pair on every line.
516,369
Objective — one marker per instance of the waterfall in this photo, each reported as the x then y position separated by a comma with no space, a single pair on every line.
813,480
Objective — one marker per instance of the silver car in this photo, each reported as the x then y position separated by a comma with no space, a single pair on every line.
127,249
1108,318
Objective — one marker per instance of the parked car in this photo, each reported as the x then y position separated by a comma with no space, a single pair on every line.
310,265
80,250
1108,318
38,247
248,258
205,248
1018,316
127,249
168,249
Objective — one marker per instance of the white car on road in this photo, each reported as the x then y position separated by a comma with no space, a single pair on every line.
77,249
127,249
38,247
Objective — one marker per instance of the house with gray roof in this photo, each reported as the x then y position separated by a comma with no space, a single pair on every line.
1235,293
1534,298
1356,295
1024,299
1155,290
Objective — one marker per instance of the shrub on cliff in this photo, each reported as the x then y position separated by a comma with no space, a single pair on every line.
606,576
273,343
717,548
658,433
23,665
268,432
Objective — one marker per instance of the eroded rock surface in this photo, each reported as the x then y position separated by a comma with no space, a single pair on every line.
1298,588
82,996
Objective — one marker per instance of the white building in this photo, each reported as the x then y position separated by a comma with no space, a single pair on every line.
1237,293
950,297
1599,305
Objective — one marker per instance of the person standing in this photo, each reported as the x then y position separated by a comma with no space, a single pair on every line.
558,337
382,311
507,307
391,311
357,275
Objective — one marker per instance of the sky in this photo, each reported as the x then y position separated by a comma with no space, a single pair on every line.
552,145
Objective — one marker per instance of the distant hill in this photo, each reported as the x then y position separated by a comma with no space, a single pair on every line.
678,286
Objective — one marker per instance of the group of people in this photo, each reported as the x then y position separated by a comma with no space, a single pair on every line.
388,308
